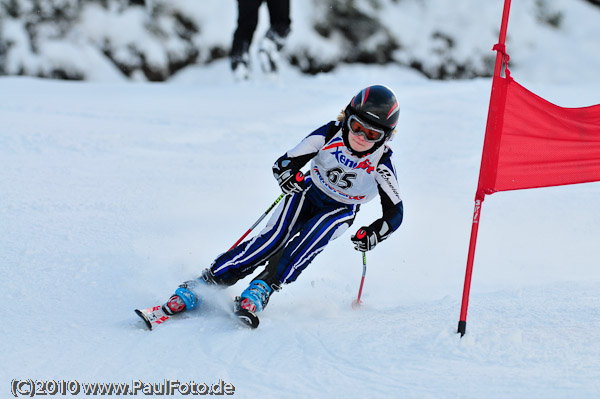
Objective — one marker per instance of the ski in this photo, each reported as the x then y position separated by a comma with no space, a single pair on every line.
155,316
247,318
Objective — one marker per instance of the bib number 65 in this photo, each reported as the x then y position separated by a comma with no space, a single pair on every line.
337,177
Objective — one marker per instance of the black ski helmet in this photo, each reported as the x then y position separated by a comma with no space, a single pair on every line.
376,105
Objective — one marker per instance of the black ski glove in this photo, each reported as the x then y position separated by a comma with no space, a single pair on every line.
365,239
290,181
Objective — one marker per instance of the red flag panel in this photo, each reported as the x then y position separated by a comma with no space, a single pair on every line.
531,142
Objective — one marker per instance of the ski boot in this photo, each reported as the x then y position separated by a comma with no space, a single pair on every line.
255,297
240,66
268,51
184,297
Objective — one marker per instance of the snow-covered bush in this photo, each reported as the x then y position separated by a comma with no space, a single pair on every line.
153,39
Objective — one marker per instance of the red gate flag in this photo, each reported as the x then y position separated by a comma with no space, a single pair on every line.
531,142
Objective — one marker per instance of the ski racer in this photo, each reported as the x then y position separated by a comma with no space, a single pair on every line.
350,164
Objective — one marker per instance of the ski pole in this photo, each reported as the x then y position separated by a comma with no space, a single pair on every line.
357,302
269,209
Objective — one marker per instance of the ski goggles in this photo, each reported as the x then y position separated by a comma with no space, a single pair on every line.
370,133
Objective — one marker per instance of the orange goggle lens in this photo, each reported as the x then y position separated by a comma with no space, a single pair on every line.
358,127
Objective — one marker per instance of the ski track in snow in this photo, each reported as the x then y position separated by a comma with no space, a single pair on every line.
112,194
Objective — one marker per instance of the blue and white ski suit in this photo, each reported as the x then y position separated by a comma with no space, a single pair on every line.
339,182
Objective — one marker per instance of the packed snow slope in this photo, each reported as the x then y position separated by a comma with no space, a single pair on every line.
112,194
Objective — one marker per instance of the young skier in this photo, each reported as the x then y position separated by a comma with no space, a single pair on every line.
350,164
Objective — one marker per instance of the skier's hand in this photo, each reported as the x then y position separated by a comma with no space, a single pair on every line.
291,182
365,239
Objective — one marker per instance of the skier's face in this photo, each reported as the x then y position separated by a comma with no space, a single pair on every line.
363,136
358,142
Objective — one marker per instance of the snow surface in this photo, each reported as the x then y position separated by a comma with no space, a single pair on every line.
114,193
